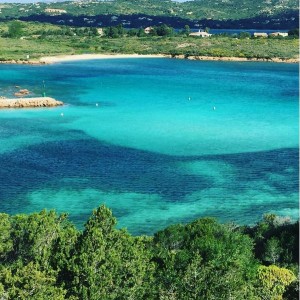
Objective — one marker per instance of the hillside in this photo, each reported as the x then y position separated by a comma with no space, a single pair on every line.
278,13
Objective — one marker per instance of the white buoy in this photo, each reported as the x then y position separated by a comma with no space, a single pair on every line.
214,108
189,98
96,104
62,114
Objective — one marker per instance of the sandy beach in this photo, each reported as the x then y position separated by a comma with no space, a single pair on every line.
64,58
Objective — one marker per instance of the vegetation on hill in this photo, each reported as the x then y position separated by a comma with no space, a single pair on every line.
45,39
43,256
196,9
275,13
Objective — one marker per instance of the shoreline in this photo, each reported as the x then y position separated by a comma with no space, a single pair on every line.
240,59
79,57
75,57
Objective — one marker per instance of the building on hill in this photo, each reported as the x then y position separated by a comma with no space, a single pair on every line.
260,34
147,30
100,31
55,11
200,33
284,34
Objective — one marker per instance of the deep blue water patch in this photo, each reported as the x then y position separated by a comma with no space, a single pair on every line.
123,170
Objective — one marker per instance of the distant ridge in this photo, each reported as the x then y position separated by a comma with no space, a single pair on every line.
280,13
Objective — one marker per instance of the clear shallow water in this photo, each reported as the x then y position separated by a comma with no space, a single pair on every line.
154,149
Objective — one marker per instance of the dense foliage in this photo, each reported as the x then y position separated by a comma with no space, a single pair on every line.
43,256
197,9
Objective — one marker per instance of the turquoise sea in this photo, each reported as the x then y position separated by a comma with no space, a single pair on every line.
159,141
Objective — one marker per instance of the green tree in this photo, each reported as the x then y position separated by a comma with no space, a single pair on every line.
94,31
35,235
164,30
244,35
6,243
15,29
112,32
29,282
141,32
120,29
132,32
276,240
203,260
274,281
272,250
109,263
186,30
294,33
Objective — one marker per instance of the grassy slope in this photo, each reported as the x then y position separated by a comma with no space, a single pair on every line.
18,49
219,46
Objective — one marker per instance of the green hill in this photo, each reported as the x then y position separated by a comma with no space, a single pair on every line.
190,10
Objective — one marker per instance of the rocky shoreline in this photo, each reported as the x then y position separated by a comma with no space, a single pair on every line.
29,102
22,62
239,59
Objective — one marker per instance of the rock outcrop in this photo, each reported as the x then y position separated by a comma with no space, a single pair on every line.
29,102
22,93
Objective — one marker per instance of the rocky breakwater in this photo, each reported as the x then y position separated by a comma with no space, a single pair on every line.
29,102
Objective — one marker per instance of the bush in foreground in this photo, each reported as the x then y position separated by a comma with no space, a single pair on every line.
43,256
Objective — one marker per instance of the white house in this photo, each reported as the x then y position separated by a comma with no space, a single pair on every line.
260,34
279,34
100,31
147,30
55,11
200,34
